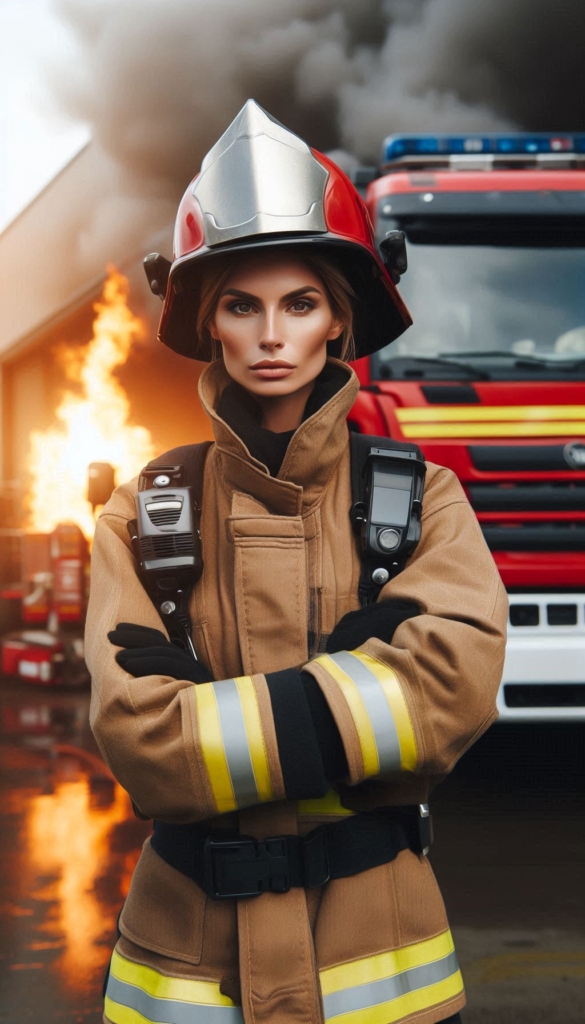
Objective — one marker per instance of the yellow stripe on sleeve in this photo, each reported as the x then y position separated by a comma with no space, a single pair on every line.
255,734
350,691
393,691
212,748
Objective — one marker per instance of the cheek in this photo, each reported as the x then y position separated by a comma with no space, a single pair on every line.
234,335
310,334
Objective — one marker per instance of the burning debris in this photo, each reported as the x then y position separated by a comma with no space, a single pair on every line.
93,422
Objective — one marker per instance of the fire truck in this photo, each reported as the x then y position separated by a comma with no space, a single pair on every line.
490,380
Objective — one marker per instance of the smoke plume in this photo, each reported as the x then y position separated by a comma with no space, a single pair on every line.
159,80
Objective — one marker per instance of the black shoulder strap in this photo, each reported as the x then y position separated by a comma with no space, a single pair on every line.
192,458
360,445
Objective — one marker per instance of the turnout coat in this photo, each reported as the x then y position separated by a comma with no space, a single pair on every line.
281,569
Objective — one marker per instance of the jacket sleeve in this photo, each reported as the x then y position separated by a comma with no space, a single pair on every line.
416,705
186,752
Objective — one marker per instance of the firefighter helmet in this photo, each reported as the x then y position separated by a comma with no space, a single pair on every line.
261,186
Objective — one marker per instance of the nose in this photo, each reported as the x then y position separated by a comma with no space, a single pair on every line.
271,340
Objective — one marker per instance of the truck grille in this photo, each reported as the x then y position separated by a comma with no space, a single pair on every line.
560,536
518,458
508,510
557,496
544,695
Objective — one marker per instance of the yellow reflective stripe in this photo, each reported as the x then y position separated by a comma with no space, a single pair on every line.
410,1002
255,734
118,1014
384,965
162,987
386,987
350,691
475,414
472,429
328,804
389,682
212,748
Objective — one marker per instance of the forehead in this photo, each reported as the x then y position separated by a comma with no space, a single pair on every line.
272,271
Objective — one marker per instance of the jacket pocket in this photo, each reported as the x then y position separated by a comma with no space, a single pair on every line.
165,910
270,591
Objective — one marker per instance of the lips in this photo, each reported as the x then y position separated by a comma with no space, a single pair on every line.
272,369
272,364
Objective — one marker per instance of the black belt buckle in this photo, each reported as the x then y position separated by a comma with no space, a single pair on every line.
244,867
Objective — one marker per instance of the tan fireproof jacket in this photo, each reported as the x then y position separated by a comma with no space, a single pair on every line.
281,564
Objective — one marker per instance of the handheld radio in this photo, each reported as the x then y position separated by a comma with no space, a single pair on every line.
388,519
167,546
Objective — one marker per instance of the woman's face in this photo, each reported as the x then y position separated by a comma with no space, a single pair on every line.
274,320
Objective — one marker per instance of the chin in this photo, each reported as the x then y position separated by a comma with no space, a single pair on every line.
286,386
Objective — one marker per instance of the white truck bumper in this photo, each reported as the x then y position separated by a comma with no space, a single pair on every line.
544,670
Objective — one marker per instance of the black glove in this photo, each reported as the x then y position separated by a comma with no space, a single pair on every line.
147,652
378,620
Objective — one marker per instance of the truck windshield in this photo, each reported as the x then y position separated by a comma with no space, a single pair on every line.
491,308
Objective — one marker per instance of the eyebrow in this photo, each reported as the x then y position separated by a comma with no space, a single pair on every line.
285,298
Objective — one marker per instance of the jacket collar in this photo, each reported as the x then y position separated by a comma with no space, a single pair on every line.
311,458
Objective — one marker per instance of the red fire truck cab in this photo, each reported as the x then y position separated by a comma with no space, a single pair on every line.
490,380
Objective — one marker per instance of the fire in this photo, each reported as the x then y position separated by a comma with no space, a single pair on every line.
93,424
69,846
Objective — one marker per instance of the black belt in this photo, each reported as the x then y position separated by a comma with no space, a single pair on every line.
227,865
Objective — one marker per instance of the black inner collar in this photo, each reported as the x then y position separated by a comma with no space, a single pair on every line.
239,409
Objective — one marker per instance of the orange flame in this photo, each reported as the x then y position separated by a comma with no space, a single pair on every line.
69,841
94,424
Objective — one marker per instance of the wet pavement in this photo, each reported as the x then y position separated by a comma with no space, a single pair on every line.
509,854
70,844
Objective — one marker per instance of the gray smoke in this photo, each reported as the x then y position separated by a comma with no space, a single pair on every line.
159,80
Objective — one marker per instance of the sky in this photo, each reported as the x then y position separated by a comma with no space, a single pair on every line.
35,140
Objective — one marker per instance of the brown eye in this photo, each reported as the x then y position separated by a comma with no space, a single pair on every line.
241,308
301,306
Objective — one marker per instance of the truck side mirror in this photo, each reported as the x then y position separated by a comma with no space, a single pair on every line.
361,178
393,250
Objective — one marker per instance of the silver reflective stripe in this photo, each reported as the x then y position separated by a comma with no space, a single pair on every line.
376,992
170,1011
235,742
378,709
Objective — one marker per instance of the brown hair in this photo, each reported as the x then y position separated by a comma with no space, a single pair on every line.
337,288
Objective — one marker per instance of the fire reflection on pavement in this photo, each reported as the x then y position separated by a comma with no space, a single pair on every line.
70,846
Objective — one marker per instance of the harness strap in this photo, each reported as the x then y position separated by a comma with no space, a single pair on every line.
192,458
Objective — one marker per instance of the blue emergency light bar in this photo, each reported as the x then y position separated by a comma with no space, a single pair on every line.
516,144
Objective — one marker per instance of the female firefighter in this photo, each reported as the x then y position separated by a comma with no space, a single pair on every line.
286,878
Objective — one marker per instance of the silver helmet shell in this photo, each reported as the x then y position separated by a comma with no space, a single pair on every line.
261,186
259,179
